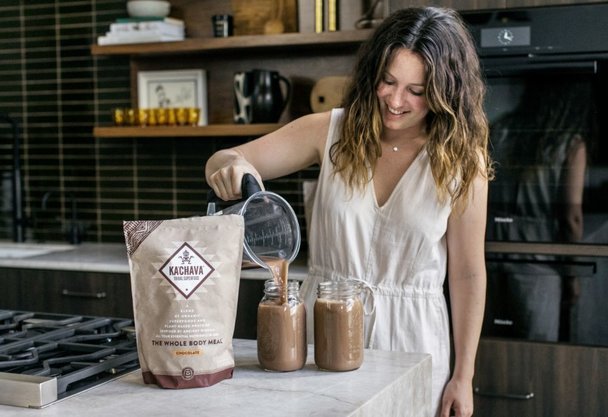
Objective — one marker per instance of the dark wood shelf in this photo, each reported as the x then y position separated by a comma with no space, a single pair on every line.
197,45
185,131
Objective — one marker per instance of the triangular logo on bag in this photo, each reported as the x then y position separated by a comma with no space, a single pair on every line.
186,270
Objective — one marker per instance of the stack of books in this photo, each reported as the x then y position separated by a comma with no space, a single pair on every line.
329,15
143,30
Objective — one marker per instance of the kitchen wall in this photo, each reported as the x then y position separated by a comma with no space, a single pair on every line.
50,83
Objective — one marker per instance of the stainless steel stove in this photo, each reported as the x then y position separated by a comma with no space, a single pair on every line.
48,357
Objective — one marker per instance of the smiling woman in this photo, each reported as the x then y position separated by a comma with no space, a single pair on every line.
403,182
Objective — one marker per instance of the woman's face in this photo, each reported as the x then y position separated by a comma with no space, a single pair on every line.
401,93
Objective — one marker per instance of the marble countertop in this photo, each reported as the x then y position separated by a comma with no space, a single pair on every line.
92,257
98,257
387,384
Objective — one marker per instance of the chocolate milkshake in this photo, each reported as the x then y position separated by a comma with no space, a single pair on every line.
281,328
282,336
338,328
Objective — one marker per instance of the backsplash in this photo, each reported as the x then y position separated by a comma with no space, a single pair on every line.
58,92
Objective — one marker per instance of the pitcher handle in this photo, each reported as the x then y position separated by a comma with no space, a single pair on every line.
288,89
249,186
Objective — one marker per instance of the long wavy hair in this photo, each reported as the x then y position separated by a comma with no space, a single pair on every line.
456,124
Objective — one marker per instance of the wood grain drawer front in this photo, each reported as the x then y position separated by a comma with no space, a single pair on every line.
536,379
67,292
98,294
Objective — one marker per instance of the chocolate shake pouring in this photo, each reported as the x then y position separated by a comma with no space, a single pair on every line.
272,241
281,328
279,268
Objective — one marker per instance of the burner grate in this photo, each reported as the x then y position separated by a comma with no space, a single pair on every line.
75,352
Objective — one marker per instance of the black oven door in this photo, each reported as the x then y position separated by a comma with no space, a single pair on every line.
547,297
547,206
549,141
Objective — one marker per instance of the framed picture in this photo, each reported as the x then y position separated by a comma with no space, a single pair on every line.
173,89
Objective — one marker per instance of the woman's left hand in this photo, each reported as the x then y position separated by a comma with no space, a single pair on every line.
457,398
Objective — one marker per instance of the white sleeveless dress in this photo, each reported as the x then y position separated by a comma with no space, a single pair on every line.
398,249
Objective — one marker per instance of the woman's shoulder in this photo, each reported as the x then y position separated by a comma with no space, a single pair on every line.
323,117
314,125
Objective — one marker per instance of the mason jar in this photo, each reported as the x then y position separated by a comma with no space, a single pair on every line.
281,328
338,326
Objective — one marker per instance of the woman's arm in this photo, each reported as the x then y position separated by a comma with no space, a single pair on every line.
467,280
572,221
293,147
574,183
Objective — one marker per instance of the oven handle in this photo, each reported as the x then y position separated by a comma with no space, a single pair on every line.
582,269
80,294
584,67
509,396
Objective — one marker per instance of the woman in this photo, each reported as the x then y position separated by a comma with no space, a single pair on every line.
402,190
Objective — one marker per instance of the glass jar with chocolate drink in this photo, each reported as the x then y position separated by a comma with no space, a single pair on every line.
338,326
281,327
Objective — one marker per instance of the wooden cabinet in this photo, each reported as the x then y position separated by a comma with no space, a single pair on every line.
67,292
250,294
516,378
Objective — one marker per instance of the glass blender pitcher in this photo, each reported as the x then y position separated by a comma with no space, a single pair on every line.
272,230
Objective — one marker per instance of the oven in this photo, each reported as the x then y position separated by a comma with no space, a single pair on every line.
547,229
45,358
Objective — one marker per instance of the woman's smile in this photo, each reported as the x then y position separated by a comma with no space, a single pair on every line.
401,92
395,111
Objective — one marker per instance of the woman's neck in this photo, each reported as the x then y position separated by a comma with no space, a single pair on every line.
404,138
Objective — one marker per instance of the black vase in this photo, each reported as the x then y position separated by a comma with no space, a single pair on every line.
259,97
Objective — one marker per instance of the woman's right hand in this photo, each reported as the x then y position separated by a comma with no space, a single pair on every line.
226,180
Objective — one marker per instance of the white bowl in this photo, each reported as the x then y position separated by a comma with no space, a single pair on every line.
147,8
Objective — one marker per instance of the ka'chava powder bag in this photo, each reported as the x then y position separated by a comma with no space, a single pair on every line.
184,280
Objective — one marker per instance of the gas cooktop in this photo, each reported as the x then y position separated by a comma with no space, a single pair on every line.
48,357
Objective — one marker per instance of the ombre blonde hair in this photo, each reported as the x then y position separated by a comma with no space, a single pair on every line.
456,125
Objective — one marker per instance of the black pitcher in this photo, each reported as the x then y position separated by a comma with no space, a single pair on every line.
258,96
